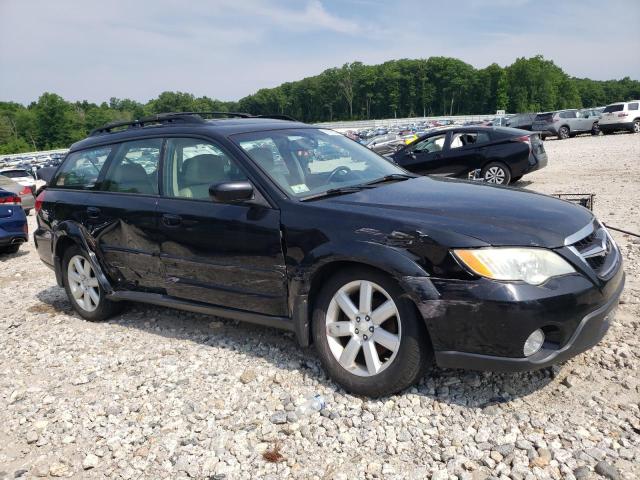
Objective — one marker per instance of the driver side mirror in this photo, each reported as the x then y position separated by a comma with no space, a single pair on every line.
229,192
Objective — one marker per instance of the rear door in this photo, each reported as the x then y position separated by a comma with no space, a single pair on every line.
112,192
465,152
218,253
426,156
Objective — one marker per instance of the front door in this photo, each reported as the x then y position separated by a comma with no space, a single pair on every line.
222,254
426,156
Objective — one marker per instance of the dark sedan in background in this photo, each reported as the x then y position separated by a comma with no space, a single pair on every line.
501,155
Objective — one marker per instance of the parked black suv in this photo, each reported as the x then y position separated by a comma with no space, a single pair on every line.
383,270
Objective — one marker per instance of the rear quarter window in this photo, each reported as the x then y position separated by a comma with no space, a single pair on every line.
82,169
633,106
613,108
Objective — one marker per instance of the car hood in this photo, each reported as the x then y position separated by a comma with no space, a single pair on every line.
461,213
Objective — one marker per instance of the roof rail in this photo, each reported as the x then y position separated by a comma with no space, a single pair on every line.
177,117
160,118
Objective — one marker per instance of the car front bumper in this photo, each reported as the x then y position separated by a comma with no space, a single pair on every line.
483,324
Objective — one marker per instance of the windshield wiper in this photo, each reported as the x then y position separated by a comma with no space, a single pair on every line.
332,192
388,178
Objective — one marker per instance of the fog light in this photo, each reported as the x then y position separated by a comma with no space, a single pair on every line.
533,343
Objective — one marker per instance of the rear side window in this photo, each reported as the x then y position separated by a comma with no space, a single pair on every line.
81,169
134,168
633,106
568,115
613,108
468,139
544,116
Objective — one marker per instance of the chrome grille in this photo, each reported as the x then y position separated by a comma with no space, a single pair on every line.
596,248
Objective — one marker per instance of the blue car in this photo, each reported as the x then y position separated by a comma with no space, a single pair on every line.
13,222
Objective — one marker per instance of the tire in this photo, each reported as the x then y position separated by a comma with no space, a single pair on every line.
407,354
516,179
636,126
595,129
496,173
563,133
10,249
85,304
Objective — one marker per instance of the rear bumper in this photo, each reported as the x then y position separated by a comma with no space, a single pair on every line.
11,238
613,127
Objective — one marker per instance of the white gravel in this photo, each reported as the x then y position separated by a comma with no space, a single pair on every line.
157,393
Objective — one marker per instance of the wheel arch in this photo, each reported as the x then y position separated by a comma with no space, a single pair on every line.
412,279
69,234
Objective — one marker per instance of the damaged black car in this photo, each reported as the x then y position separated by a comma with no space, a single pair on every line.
387,273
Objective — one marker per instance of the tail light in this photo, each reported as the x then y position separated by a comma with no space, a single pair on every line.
623,114
25,191
39,200
524,139
12,200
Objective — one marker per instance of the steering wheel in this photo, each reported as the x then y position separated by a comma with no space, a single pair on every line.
340,171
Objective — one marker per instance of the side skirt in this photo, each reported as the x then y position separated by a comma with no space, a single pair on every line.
283,323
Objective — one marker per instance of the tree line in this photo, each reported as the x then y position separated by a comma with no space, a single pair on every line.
398,88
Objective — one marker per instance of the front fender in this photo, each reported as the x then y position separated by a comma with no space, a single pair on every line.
397,262
73,231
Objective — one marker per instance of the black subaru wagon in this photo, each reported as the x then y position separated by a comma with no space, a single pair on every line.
384,271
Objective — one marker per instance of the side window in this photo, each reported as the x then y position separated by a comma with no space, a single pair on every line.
134,168
81,169
192,165
467,139
633,106
431,144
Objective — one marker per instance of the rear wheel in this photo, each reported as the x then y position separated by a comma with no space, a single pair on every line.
563,133
83,289
368,334
496,172
636,126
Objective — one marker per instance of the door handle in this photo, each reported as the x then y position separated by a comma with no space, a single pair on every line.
93,212
171,220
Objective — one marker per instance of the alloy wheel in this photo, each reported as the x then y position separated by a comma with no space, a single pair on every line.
494,175
83,283
363,328
636,127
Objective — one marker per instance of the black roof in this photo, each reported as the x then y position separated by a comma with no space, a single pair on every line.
186,123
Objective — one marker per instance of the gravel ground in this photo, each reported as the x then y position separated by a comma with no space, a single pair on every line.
157,393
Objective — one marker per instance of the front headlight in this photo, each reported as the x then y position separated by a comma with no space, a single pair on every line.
531,265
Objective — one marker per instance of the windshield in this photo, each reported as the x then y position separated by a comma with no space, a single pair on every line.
309,161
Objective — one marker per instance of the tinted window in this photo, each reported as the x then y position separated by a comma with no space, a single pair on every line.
15,173
466,139
134,168
193,165
613,108
81,169
568,115
633,106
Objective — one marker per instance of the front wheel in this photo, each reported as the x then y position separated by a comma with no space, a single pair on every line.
83,289
496,172
368,334
636,126
595,129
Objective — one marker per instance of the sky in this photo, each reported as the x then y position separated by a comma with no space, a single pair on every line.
227,49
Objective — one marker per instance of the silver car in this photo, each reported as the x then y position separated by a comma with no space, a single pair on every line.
566,123
25,193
